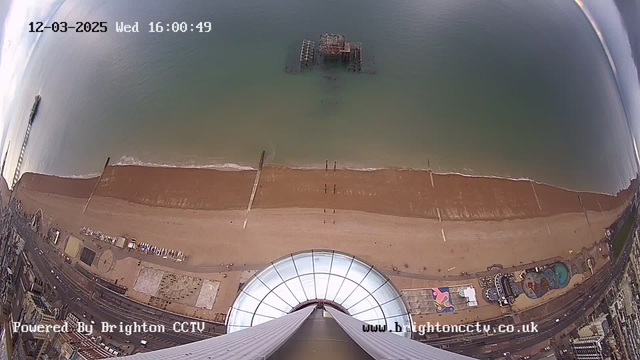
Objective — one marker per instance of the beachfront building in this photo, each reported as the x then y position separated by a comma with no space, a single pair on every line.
73,345
502,289
588,348
314,304
598,327
36,311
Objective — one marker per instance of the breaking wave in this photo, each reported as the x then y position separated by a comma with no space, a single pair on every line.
129,160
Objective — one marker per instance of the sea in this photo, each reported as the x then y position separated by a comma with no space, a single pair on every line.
544,90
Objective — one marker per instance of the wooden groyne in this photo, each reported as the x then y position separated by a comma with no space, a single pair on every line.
96,185
255,188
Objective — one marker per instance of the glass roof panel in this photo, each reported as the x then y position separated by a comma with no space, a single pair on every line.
270,277
273,300
394,308
296,288
321,285
308,282
256,288
258,319
363,291
246,303
322,262
285,294
304,265
341,264
385,293
356,296
269,311
367,303
370,314
237,317
347,288
358,270
373,281
334,285
285,268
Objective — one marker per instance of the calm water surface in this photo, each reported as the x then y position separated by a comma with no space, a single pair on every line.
507,88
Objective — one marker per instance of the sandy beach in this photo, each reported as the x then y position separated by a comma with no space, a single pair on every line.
405,193
388,217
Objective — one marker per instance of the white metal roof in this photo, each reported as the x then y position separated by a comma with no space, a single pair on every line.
385,346
258,342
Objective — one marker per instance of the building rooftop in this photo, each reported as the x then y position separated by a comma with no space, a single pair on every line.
341,280
588,339
40,304
86,346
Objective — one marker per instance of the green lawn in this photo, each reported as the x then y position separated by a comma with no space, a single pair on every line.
621,237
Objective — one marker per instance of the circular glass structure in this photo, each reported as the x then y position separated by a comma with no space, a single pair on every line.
353,286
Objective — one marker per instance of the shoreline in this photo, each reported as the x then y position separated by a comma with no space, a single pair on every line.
397,192
131,161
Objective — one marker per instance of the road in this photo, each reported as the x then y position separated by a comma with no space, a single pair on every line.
104,305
